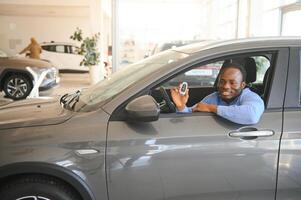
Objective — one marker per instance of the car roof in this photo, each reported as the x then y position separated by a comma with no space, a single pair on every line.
247,43
57,43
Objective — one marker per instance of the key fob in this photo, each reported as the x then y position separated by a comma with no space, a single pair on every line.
183,88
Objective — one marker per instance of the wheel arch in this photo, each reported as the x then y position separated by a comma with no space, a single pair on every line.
11,171
8,72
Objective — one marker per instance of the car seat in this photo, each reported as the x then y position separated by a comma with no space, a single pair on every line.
266,85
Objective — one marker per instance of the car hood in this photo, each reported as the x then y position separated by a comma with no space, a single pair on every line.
18,62
33,112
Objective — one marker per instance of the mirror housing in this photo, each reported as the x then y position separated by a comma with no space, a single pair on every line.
143,109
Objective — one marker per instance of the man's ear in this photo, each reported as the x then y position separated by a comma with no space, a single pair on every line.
243,85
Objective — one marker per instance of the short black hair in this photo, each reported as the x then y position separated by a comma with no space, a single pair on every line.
235,65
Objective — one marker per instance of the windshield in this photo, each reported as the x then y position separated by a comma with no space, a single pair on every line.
124,78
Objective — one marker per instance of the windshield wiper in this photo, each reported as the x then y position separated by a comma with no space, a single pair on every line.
69,101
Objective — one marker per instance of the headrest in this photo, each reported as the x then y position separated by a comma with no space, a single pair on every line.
251,69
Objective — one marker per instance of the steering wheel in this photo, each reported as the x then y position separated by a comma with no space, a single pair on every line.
166,101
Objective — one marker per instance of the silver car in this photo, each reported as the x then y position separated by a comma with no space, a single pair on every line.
122,139
19,75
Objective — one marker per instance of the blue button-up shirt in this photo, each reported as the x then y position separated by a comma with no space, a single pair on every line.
247,108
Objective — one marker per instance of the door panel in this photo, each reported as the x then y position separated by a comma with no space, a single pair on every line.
289,176
191,157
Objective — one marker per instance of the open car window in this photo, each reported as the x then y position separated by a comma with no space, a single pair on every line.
202,78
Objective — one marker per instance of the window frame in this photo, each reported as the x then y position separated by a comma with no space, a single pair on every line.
293,93
217,59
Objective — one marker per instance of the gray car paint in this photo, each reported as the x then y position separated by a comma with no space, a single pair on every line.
289,176
161,159
58,145
39,112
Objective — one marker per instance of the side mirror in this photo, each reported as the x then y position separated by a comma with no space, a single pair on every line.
143,109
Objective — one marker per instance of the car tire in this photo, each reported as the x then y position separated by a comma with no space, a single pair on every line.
17,86
37,187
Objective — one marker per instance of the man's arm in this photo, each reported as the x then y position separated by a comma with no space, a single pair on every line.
249,112
25,49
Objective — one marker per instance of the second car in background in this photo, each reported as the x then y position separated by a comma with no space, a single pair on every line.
19,75
63,55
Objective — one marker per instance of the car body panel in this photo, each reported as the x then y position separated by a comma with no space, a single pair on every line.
191,157
36,112
289,176
21,63
57,145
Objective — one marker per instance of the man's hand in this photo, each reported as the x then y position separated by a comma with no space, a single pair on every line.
203,107
179,100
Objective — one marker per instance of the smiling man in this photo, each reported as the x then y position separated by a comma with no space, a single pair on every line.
232,101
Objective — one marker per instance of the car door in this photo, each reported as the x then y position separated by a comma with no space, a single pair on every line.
72,59
54,54
193,157
66,59
289,177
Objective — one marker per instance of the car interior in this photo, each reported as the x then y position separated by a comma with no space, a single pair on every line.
202,79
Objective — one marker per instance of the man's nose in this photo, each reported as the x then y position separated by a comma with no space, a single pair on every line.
226,85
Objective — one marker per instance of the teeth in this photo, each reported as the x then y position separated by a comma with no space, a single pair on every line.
226,93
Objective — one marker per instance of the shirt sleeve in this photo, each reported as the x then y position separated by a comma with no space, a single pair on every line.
185,110
210,99
248,112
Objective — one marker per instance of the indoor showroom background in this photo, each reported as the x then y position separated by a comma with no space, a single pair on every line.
131,30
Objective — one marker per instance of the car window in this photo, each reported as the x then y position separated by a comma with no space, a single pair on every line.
2,54
74,49
200,76
47,48
203,78
60,48
262,64
124,78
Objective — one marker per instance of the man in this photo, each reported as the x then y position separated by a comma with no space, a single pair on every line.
34,49
232,101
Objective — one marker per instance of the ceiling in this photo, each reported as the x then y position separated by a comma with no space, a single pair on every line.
44,10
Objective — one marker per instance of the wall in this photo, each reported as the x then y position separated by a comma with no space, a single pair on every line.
16,31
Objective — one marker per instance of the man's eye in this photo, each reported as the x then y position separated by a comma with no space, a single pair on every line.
222,82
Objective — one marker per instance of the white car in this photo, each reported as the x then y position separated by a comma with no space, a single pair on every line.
63,55
2,54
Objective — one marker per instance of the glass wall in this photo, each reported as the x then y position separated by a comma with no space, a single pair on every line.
147,27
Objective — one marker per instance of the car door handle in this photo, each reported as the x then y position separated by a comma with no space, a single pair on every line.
262,133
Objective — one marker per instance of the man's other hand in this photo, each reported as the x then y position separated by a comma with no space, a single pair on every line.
203,107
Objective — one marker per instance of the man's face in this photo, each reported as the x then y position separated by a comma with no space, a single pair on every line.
230,84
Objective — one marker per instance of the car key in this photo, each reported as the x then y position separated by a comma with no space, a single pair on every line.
183,88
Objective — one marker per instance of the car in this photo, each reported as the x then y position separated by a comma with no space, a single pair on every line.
2,54
172,44
17,76
122,139
63,55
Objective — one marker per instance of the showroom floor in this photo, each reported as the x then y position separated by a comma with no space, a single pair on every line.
69,82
